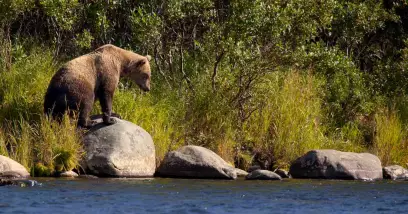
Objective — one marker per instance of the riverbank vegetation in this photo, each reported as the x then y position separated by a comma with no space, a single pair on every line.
258,82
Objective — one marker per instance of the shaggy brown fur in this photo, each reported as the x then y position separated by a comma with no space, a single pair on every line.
93,76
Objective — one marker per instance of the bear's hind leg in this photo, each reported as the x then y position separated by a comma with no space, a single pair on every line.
54,106
55,111
105,99
83,117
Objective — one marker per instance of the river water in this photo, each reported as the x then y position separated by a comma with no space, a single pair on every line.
205,196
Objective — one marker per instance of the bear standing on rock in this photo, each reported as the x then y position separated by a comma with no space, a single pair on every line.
80,81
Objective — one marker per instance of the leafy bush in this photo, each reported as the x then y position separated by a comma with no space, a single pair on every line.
346,94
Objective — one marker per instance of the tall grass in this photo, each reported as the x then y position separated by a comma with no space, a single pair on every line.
20,142
54,145
390,142
3,146
26,135
23,87
288,123
59,144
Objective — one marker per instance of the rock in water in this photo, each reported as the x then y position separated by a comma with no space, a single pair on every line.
241,173
332,164
395,172
68,174
88,176
282,173
11,169
119,150
260,174
195,162
6,182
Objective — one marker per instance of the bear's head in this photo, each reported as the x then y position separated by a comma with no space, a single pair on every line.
139,72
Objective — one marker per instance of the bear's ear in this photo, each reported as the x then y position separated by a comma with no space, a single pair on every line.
148,57
141,62
132,66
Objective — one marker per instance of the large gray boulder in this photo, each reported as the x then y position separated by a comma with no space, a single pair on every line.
11,169
195,162
119,150
260,174
395,172
332,164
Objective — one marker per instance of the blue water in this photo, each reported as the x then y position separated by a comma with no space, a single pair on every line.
205,196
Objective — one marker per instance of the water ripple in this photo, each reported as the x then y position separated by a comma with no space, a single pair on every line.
205,196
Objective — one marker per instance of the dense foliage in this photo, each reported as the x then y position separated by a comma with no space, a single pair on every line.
259,82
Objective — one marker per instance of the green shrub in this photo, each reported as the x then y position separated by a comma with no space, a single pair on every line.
345,91
39,170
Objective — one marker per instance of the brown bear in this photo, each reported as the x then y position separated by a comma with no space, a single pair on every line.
78,83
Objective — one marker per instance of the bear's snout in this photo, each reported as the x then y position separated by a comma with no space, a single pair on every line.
144,86
146,89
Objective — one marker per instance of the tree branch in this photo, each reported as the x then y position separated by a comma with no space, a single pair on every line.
217,61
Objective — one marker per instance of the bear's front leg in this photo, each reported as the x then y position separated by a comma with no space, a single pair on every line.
105,99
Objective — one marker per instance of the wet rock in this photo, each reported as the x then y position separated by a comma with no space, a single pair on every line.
88,176
395,172
332,164
21,183
11,169
68,174
240,172
195,162
119,150
260,174
282,173
6,182
28,183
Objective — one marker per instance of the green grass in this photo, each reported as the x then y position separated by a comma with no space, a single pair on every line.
26,135
288,123
3,146
390,142
56,146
